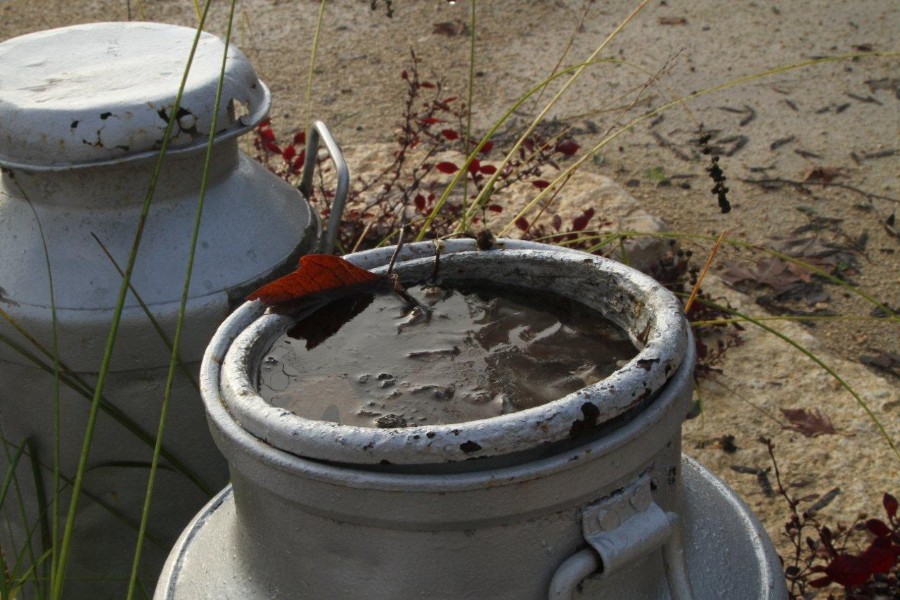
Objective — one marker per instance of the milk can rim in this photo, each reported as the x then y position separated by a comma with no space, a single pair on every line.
642,377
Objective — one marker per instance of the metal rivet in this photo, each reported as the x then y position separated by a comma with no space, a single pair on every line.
608,520
641,498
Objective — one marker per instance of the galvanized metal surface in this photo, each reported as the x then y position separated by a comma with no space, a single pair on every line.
505,526
208,560
648,313
104,92
254,226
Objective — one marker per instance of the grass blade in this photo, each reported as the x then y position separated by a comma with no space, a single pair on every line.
59,578
74,381
874,418
179,326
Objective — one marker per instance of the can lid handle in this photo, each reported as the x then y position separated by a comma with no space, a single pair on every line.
320,131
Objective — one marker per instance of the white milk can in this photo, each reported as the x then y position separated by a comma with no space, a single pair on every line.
83,113
587,496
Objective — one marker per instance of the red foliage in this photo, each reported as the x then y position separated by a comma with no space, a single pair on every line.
446,167
567,147
317,275
579,223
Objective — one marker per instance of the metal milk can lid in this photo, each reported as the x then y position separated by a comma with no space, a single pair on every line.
103,93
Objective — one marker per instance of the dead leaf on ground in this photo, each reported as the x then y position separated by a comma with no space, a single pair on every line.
810,423
453,28
822,174
672,21
889,362
770,271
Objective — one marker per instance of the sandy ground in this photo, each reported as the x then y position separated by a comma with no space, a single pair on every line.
839,117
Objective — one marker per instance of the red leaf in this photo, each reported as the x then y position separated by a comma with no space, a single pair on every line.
579,223
557,222
430,120
540,184
446,167
404,74
488,146
567,147
318,275
849,570
488,169
428,85
273,147
522,223
288,153
495,208
419,201
449,100
879,560
878,527
450,134
810,423
890,505
299,138
266,134
474,166
820,582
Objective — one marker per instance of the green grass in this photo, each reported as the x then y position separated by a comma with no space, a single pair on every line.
45,572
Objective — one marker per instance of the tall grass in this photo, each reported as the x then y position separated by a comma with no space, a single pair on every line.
48,570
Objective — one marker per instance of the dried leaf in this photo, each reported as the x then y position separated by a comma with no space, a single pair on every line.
567,147
770,271
580,222
888,362
453,28
822,174
319,276
810,423
890,505
672,21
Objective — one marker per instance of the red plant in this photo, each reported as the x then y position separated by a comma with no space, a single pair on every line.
868,570
431,131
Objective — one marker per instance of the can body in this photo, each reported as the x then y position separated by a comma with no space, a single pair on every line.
77,206
505,525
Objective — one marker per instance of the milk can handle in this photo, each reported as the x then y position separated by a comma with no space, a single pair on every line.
320,130
620,530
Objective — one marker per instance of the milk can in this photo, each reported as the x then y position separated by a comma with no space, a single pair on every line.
83,113
587,496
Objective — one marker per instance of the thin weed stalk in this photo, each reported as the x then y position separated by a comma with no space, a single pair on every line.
803,350
179,326
471,90
486,191
312,65
612,237
464,169
59,578
156,326
54,329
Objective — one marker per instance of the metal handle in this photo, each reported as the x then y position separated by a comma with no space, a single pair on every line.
621,529
320,130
